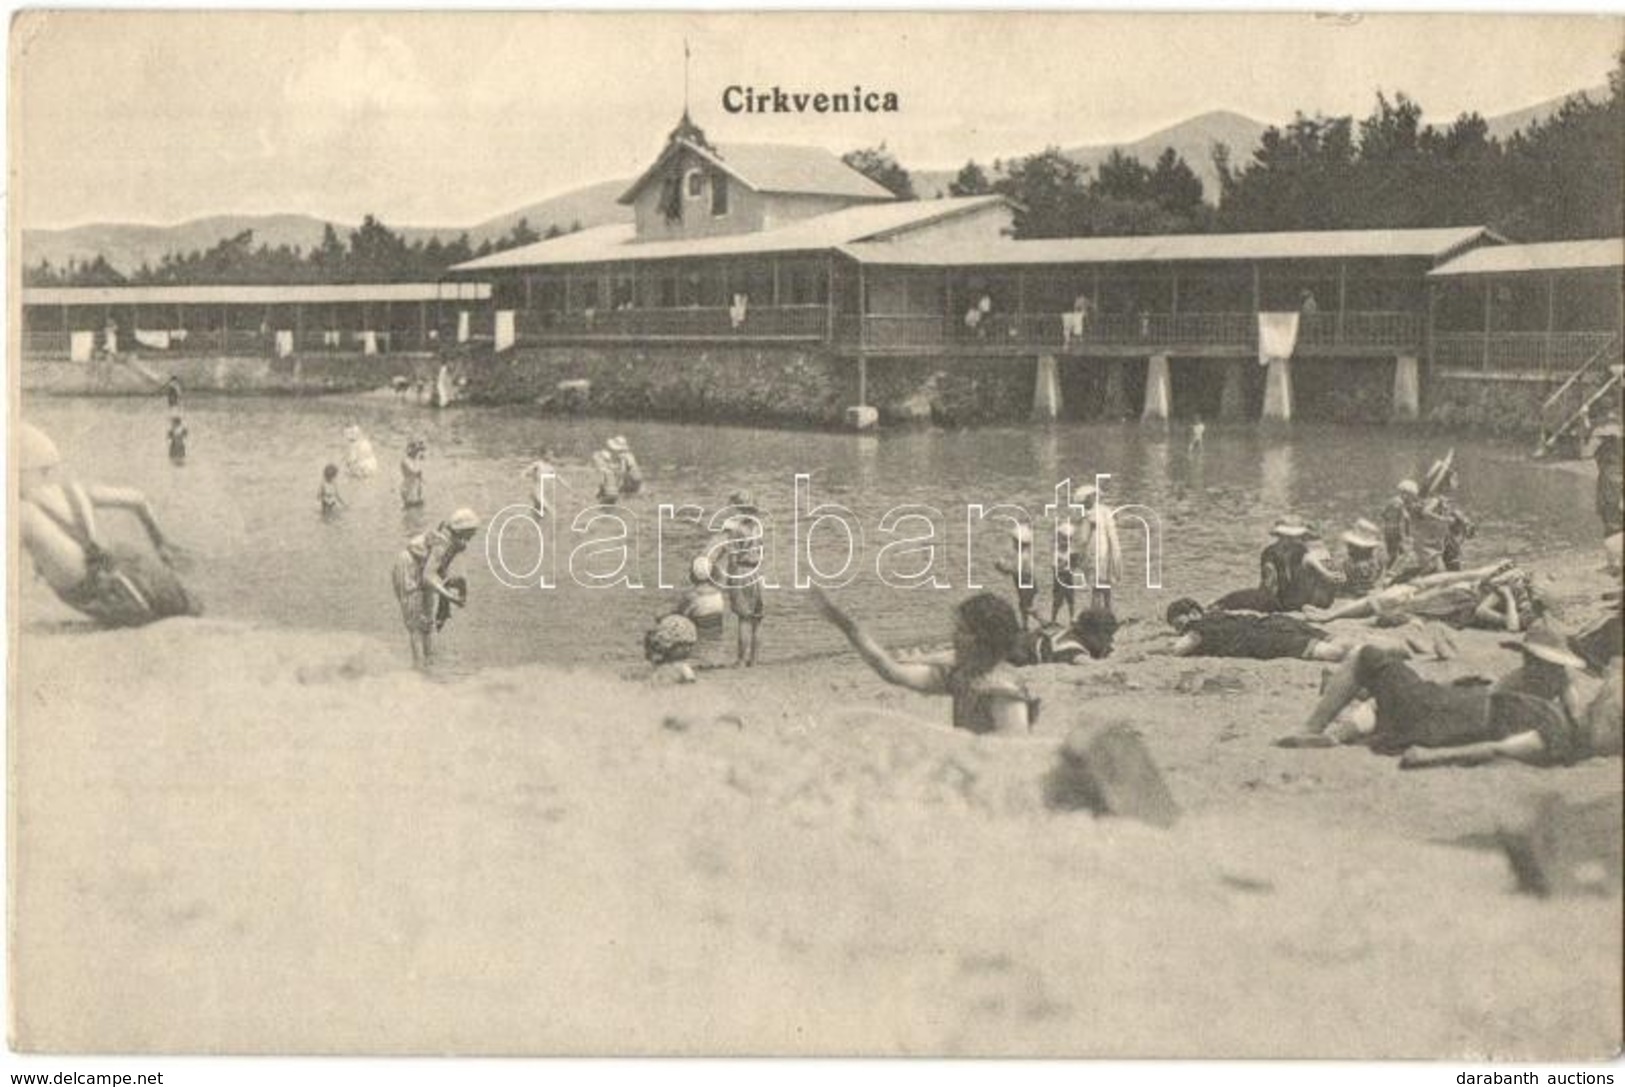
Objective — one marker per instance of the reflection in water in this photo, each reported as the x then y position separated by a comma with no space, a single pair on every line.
245,504
1275,478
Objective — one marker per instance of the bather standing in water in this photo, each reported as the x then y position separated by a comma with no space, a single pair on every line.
359,459
412,474
115,585
988,695
177,439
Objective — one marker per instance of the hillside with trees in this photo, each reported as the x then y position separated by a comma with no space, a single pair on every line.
1561,175
372,253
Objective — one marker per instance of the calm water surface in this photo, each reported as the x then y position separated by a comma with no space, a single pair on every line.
245,504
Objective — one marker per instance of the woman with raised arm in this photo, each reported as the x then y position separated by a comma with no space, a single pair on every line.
988,696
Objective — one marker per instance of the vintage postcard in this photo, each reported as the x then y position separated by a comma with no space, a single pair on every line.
845,534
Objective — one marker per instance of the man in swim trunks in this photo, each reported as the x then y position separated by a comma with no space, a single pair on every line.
1495,597
114,585
1532,715
1252,636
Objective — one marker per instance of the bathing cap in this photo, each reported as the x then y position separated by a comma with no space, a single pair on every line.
671,634
35,448
700,568
464,520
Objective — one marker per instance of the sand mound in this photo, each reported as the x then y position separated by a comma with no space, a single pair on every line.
283,841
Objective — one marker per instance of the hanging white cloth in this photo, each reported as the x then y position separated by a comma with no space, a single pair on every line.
502,331
1277,336
157,339
369,342
462,326
110,341
81,345
284,343
736,312
1071,326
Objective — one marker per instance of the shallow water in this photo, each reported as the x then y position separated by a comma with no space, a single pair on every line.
245,505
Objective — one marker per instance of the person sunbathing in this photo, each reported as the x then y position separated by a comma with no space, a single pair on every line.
1533,715
1254,636
1499,597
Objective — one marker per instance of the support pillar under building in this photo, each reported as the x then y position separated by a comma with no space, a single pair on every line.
1115,405
1233,396
1157,392
1407,389
1278,391
1046,389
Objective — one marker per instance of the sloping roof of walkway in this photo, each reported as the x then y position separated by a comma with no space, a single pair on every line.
819,233
1587,254
1432,244
256,295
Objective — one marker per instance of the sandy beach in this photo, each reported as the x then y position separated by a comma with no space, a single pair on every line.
242,839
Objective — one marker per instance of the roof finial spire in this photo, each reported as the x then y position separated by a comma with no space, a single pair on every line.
685,79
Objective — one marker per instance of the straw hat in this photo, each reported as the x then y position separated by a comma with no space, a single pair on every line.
1087,492
464,520
1608,430
1408,487
1064,528
1363,534
1290,528
617,444
742,499
700,569
1545,643
1023,534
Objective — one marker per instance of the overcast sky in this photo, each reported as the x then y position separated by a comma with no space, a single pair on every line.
449,119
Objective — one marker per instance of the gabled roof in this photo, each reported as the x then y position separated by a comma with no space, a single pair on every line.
255,295
773,168
1432,244
834,230
1591,253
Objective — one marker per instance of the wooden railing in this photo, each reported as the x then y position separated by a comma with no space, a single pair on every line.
1364,330
693,322
1516,354
1591,380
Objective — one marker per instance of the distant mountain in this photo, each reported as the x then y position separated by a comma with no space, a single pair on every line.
1507,123
1192,140
592,205
127,245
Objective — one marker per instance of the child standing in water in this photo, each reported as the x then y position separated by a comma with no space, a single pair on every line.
412,474
329,495
177,439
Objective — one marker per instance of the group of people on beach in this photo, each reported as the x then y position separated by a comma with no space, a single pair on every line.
1401,575
1410,586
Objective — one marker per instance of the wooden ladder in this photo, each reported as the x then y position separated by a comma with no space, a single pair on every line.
1572,402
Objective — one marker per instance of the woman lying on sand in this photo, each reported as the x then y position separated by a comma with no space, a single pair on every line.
987,694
